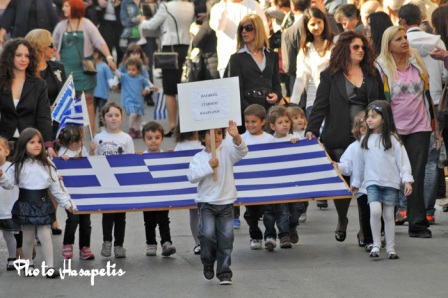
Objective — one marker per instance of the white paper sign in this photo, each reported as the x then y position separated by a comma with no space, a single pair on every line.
209,103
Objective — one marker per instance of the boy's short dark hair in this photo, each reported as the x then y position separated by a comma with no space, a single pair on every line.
256,110
152,126
202,133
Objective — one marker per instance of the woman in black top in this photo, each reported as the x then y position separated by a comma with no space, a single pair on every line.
50,71
346,87
255,65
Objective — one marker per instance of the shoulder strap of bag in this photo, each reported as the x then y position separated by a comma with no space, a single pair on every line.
175,23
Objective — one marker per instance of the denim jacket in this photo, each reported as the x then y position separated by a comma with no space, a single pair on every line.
129,12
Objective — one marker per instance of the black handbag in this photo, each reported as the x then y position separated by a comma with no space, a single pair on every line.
167,60
193,68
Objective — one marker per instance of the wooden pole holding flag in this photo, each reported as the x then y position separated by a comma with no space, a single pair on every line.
85,114
213,145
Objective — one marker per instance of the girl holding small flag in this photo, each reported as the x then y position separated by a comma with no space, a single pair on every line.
69,144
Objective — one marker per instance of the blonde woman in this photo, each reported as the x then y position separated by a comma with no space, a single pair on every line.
255,65
406,86
51,72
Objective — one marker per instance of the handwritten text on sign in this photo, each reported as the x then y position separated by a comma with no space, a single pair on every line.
211,103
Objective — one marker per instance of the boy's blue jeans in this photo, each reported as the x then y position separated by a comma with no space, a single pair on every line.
216,236
276,213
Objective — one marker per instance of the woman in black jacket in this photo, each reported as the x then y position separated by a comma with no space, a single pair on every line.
346,87
255,65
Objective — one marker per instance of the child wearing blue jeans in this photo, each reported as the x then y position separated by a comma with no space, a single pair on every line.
215,199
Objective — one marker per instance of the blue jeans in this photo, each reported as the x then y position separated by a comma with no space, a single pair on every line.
294,215
431,178
216,236
276,213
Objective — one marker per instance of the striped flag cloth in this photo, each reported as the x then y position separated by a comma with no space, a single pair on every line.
270,173
65,99
73,116
160,107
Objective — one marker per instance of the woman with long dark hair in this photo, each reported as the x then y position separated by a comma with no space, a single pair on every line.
346,87
377,23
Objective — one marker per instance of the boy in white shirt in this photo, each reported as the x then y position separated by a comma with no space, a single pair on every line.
254,121
215,199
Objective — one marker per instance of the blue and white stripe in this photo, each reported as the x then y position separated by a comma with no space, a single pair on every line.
160,106
65,99
268,174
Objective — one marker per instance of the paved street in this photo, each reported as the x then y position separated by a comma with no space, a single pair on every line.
318,266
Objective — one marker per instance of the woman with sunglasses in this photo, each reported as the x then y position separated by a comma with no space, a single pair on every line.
406,87
50,71
346,87
255,65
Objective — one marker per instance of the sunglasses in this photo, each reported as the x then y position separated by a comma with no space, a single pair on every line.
248,28
51,45
356,47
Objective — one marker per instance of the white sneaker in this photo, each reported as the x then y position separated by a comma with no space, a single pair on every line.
120,252
151,249
255,244
302,217
168,249
106,250
270,244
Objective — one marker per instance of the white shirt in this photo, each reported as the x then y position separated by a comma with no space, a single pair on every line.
8,196
70,153
222,191
348,164
382,168
35,176
284,139
188,145
250,139
113,143
308,72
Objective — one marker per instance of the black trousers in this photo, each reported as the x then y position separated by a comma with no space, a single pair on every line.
154,218
119,221
111,35
85,229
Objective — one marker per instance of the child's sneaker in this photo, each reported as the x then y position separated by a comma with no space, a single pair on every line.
225,279
106,250
67,251
392,255
302,217
293,235
236,223
151,249
168,249
270,244
375,252
208,272
401,217
138,134
285,242
132,133
255,244
86,254
120,252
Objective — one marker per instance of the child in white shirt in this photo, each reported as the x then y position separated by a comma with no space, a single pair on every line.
113,141
383,165
215,199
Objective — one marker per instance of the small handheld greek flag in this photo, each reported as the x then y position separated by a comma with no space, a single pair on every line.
65,99
73,116
160,108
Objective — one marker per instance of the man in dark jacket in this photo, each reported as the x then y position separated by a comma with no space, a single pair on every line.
22,16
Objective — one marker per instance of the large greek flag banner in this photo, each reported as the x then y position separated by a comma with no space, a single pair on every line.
270,173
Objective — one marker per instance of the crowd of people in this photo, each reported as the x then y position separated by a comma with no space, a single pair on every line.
366,77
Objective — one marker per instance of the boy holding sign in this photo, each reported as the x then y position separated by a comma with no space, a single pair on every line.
215,199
